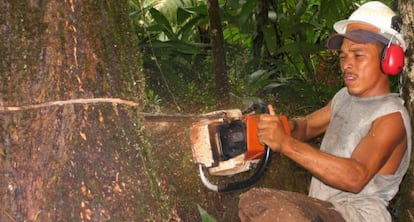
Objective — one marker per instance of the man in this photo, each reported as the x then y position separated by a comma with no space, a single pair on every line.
366,147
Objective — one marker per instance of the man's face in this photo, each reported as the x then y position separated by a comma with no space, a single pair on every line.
360,65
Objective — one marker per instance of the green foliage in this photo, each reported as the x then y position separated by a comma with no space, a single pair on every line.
275,52
275,49
153,101
291,53
157,31
175,56
205,217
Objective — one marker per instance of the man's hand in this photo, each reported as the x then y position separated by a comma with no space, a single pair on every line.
271,131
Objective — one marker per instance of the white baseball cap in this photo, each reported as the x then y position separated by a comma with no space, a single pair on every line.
375,14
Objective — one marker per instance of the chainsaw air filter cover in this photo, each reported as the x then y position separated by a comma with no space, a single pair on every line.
233,139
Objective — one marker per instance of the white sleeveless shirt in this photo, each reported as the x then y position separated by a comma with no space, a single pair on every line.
350,121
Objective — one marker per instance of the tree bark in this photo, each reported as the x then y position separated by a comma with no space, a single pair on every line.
407,13
218,54
67,153
75,162
406,9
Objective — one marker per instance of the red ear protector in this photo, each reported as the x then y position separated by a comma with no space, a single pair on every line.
392,59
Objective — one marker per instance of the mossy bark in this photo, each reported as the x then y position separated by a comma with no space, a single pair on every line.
73,162
406,200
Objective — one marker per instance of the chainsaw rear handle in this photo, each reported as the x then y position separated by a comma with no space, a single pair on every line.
263,109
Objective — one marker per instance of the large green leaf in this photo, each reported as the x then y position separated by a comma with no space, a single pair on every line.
163,22
270,38
247,10
259,79
205,217
273,85
183,15
198,9
187,30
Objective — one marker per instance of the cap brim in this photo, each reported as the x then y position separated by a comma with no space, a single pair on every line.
358,35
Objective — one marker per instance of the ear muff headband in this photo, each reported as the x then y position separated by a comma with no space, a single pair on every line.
392,59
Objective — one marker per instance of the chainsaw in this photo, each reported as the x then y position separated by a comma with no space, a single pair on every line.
227,144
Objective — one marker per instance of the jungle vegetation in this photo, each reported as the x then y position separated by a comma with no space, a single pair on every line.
274,52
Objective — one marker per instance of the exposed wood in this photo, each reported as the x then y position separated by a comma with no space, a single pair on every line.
8,109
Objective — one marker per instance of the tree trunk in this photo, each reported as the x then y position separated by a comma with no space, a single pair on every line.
63,159
406,9
74,162
258,39
218,54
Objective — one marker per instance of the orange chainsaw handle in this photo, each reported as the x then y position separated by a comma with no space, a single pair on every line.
256,149
285,124
263,108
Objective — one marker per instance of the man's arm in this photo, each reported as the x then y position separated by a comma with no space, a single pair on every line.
379,152
312,125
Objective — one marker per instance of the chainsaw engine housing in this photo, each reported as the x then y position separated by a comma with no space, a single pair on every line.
227,145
